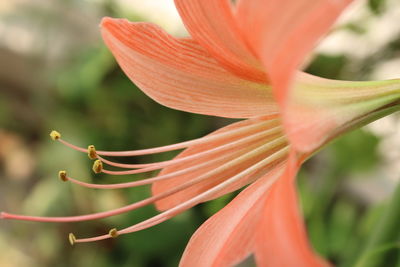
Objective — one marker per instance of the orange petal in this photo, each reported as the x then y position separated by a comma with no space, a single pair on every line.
283,32
180,74
281,235
212,24
162,186
228,237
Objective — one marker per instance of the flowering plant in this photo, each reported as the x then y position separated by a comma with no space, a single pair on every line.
243,61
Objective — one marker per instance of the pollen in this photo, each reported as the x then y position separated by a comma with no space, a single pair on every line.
63,176
55,135
113,233
97,166
72,239
92,152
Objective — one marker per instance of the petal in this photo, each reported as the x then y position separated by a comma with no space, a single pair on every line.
233,153
283,32
327,108
212,24
281,236
228,237
180,74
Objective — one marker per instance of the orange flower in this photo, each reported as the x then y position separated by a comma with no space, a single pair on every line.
241,61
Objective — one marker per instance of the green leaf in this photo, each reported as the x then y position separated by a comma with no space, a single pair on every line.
379,247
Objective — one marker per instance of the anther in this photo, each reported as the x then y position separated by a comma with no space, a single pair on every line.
113,233
92,152
97,166
72,239
55,135
63,176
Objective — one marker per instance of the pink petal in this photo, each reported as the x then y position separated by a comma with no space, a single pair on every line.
283,32
228,237
177,198
212,24
281,234
180,74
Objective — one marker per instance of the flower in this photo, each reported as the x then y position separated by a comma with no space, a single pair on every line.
241,61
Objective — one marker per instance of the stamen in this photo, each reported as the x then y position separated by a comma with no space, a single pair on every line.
92,152
163,164
236,131
63,176
197,199
252,137
113,233
97,166
230,164
72,239
55,135
196,167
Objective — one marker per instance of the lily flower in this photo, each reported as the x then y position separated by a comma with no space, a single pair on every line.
243,60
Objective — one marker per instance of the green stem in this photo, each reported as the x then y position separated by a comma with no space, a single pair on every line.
387,232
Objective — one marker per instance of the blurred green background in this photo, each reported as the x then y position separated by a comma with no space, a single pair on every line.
55,73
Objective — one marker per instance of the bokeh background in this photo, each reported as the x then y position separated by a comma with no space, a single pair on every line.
55,73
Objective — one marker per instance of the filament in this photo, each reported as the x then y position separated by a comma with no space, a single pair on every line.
258,151
234,156
159,177
163,164
195,200
202,140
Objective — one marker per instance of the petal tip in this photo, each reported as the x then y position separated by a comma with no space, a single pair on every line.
105,21
108,22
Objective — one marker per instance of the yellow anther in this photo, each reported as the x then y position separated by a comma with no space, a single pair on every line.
72,239
113,233
63,176
97,166
55,135
92,152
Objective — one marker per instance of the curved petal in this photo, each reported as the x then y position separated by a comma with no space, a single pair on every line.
212,24
228,237
232,154
180,74
281,236
283,32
